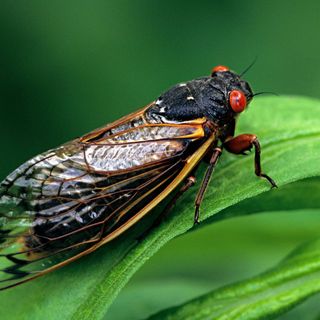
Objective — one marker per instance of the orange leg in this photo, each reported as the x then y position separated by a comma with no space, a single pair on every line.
243,143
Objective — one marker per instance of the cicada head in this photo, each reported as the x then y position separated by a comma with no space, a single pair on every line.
237,92
220,98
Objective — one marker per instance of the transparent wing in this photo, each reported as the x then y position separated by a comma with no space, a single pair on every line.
62,204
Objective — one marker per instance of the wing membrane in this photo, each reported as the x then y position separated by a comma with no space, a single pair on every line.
68,201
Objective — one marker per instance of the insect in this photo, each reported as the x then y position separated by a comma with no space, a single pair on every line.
69,201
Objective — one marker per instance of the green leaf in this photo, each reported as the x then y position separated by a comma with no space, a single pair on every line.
262,297
225,253
289,131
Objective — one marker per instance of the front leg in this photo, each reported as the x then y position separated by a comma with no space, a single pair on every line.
243,143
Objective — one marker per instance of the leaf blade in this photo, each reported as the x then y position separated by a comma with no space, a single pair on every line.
106,271
266,296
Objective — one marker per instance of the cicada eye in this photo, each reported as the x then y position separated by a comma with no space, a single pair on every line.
219,69
237,100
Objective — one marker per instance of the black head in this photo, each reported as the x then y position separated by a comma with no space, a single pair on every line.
219,97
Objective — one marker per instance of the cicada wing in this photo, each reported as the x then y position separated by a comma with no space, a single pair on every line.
65,203
31,248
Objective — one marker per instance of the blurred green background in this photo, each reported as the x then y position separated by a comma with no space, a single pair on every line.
69,67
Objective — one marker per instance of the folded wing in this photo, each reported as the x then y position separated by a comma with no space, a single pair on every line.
64,203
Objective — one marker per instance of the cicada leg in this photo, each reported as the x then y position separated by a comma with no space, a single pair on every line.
213,162
189,182
243,143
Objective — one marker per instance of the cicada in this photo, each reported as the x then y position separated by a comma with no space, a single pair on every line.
69,201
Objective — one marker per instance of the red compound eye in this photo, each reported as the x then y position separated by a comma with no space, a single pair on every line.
219,69
237,100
